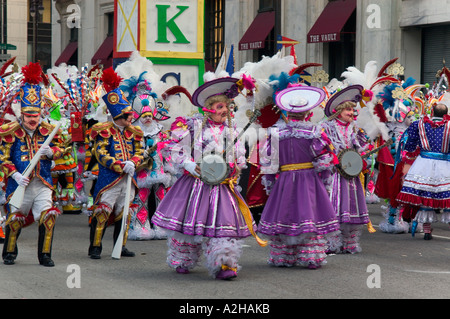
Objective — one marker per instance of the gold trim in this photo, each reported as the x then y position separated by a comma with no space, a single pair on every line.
31,109
296,167
102,217
49,224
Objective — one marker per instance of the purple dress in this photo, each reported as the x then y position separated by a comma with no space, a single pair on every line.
192,207
347,195
298,202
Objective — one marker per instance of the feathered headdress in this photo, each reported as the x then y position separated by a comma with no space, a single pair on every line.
370,119
139,93
111,80
114,98
396,100
30,92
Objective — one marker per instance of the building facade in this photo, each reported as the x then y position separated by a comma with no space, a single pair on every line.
335,33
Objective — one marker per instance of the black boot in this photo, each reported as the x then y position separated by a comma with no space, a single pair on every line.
46,261
117,227
94,251
10,250
126,253
9,259
45,244
427,236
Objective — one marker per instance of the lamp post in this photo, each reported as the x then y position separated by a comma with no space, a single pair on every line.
36,11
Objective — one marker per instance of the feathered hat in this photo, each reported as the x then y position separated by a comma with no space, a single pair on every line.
351,93
114,98
222,86
30,92
397,101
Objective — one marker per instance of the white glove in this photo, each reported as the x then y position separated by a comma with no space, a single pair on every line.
129,167
47,151
20,179
190,167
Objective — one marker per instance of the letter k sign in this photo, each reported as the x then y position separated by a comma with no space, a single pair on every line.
164,24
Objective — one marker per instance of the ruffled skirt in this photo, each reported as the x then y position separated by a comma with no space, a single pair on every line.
194,208
298,204
427,184
349,201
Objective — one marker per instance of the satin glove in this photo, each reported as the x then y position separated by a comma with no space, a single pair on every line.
20,179
129,167
190,167
47,151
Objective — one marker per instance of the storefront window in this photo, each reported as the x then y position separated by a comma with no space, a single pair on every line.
214,31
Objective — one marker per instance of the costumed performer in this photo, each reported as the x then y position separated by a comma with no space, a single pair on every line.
155,175
298,216
398,117
347,194
118,149
427,181
20,141
204,217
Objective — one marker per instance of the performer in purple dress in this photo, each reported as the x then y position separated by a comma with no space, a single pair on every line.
298,216
347,194
201,216
426,184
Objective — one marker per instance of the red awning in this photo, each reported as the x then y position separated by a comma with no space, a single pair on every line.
104,53
258,31
331,21
68,52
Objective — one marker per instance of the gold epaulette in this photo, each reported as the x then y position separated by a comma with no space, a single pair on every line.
46,128
134,132
104,129
9,131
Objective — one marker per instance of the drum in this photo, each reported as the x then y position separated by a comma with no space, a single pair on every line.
350,163
214,169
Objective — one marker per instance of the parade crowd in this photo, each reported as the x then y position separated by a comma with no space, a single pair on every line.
272,153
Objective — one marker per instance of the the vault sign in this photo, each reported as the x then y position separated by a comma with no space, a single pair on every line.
160,28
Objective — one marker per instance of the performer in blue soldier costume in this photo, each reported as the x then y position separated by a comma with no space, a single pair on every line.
19,143
427,182
119,150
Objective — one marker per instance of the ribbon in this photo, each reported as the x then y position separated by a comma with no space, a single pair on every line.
244,210
225,267
370,227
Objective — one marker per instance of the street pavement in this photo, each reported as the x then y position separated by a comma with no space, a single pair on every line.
391,266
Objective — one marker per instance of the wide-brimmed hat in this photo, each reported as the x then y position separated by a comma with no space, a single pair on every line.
353,93
222,86
299,99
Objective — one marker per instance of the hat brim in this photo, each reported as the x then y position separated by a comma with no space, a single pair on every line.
314,96
351,93
212,88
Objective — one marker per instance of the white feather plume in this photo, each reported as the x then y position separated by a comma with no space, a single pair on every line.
138,64
260,71
367,119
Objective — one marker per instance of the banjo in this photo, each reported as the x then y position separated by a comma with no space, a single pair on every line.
214,167
351,162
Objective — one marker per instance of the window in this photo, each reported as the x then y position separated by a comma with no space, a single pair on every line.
270,45
342,53
110,24
214,31
435,52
